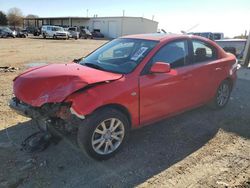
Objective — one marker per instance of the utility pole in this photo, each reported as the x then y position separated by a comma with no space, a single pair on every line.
246,56
87,13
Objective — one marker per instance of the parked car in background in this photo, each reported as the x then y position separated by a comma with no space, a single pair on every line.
54,32
21,33
85,33
74,31
218,36
125,84
97,34
30,29
6,32
234,46
208,35
37,31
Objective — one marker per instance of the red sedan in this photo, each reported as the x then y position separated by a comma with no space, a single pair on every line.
125,84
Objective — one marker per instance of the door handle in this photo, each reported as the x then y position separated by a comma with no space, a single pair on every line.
187,76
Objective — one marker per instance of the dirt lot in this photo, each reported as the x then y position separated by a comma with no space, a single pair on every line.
200,148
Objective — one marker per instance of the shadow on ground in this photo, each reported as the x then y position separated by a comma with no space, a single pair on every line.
149,151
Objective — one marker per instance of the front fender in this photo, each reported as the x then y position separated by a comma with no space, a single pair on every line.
84,103
118,92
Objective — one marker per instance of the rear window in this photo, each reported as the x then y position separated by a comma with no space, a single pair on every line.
203,51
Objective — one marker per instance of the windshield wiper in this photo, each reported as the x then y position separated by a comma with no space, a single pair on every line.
94,66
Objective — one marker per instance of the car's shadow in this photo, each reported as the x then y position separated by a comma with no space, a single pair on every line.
150,150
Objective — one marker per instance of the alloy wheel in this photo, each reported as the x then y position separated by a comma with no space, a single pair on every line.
108,136
223,94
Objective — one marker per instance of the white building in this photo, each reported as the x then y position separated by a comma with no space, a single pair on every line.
111,27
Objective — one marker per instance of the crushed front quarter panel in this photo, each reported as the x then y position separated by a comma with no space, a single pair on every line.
53,83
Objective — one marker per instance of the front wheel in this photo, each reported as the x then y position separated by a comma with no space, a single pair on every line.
222,95
103,133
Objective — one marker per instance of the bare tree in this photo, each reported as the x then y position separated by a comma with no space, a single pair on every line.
15,17
32,16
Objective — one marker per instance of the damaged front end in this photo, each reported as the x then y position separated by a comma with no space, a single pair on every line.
40,93
58,116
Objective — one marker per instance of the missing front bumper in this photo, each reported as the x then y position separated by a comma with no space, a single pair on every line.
22,108
60,115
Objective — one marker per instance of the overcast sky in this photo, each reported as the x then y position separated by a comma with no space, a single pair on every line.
228,16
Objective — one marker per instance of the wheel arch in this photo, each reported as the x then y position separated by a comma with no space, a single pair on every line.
231,82
118,107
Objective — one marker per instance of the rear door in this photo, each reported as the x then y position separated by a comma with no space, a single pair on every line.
203,66
162,94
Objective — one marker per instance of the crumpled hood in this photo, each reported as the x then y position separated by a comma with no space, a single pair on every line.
53,83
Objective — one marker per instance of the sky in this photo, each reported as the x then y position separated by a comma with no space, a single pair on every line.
232,17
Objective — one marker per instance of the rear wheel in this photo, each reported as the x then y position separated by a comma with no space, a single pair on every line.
222,95
103,133
44,36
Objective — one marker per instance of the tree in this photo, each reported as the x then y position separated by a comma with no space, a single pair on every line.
240,37
3,19
15,17
32,16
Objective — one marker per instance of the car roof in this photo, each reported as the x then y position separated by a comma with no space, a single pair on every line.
163,37
150,36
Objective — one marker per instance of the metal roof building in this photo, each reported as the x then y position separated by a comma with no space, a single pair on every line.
111,27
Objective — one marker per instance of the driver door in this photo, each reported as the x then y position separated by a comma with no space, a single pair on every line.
163,94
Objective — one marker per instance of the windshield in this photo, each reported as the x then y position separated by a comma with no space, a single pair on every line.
6,29
57,29
119,55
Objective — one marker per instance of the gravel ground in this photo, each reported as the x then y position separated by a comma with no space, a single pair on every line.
199,148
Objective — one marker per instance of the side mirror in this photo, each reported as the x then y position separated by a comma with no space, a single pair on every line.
160,67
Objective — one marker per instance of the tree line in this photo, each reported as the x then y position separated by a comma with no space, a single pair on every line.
14,17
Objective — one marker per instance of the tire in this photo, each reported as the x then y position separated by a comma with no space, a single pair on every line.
94,143
222,95
44,36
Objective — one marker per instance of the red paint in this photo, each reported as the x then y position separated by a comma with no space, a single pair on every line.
55,82
147,98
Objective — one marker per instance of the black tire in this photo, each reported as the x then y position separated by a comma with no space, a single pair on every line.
44,36
215,103
86,132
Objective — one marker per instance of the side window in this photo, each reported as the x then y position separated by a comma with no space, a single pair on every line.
203,52
174,53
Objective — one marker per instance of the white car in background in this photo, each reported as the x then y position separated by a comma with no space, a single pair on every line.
54,32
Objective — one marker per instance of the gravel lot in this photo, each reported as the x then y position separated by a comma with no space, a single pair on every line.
199,148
